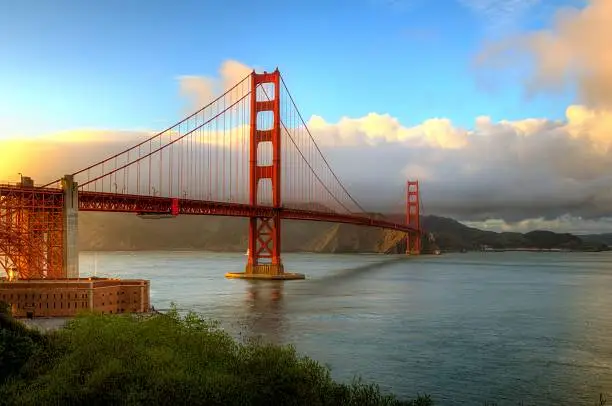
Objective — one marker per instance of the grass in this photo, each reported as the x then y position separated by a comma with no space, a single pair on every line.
602,402
164,359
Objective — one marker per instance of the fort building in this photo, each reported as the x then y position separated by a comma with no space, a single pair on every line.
67,297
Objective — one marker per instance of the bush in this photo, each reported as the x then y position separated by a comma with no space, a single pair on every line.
169,359
5,308
17,345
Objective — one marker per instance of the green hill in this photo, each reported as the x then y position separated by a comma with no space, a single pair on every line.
598,239
117,232
451,235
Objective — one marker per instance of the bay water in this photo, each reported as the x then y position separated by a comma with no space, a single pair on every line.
464,328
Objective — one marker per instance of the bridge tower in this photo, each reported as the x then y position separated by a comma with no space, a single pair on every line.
70,219
264,252
413,217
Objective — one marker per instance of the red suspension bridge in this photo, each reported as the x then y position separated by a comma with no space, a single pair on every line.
248,153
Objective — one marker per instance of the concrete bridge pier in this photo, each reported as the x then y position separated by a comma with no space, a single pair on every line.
71,227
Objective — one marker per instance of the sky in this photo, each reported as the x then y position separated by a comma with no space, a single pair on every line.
501,108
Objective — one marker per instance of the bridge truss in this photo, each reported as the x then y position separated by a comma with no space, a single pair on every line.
247,153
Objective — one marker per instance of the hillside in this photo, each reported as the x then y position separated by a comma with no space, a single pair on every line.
452,235
118,232
605,239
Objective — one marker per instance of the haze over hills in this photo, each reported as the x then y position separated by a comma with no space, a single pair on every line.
597,239
118,232
451,235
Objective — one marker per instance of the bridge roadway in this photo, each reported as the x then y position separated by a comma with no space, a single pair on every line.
128,203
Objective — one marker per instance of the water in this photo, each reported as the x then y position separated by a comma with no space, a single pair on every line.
465,328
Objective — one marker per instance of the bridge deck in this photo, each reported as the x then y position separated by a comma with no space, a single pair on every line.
126,203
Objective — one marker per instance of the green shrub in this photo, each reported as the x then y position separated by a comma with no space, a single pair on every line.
5,308
169,359
17,345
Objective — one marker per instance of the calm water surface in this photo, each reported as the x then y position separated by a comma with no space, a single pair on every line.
464,328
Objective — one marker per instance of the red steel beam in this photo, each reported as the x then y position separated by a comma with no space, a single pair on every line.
111,202
124,203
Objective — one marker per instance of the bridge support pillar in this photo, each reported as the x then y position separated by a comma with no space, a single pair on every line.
264,246
264,252
71,227
413,218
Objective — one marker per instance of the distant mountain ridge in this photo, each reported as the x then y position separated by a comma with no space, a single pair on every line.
452,235
124,232
605,239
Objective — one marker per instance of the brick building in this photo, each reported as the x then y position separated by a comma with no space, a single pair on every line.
67,297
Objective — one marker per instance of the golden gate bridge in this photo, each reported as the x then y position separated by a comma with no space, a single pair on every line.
248,153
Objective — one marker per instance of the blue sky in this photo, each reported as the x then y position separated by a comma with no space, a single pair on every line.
113,64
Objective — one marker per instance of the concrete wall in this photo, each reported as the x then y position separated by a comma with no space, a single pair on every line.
71,229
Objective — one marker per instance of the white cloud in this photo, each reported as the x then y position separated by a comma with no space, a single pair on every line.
501,16
376,129
507,169
575,51
565,223
514,170
574,155
517,171
201,90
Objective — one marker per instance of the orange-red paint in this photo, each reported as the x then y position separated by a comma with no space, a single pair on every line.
413,218
264,254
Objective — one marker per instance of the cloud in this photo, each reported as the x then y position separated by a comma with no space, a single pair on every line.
501,16
78,148
201,90
561,224
50,156
375,129
509,170
512,170
94,136
574,52
526,173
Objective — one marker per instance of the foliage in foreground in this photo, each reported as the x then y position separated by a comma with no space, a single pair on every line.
164,359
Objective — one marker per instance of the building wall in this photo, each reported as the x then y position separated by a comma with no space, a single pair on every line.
125,298
65,298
